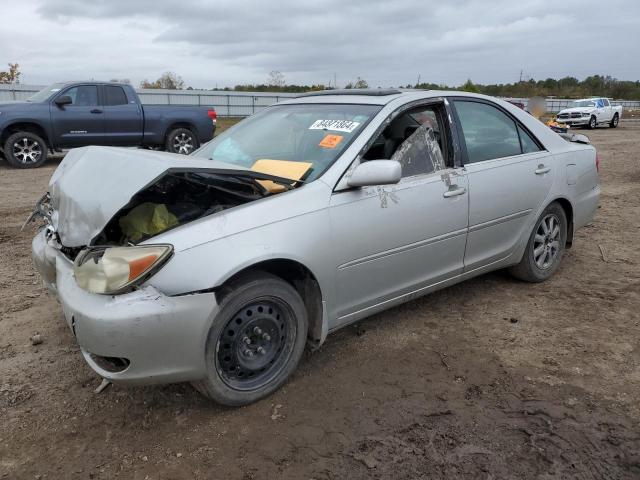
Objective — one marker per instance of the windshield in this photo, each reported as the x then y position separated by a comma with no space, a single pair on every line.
291,141
45,93
583,103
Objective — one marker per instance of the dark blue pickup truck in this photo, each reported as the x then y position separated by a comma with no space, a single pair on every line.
76,114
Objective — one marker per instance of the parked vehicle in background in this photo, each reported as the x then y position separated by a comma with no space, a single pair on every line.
316,212
77,114
591,112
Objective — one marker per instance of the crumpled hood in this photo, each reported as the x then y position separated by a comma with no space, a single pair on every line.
577,109
92,184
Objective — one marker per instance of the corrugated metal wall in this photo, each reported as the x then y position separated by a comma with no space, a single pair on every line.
238,104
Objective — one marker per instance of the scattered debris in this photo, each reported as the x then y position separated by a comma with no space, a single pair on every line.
36,339
274,414
604,257
442,359
103,385
513,320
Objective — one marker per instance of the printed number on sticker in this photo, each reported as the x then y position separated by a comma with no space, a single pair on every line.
336,125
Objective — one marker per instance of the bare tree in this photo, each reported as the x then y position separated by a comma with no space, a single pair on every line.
168,81
276,79
12,75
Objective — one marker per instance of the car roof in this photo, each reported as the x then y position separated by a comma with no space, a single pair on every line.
376,96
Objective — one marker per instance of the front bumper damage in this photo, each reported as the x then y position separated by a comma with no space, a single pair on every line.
142,337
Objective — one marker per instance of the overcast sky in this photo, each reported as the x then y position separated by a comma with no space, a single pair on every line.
389,43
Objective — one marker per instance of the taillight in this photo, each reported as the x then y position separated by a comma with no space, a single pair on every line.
213,115
597,163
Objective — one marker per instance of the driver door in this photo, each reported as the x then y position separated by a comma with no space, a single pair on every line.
392,241
81,122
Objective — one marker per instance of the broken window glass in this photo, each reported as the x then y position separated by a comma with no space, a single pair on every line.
420,153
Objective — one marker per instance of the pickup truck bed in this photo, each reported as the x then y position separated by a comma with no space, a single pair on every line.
78,114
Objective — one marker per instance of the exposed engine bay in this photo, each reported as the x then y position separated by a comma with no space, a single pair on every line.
178,198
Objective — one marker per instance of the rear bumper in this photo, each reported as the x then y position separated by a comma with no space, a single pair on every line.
162,338
585,207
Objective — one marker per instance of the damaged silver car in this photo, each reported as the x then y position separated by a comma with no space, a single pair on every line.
218,268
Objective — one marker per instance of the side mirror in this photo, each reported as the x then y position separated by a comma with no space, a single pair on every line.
376,172
63,100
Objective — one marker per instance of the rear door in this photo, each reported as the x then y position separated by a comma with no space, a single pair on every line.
509,174
80,123
123,116
395,240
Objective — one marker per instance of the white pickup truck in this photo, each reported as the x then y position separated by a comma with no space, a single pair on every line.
591,112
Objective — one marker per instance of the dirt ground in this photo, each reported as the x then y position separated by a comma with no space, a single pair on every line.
490,379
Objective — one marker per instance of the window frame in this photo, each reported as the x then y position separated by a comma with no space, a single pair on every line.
517,123
64,91
103,96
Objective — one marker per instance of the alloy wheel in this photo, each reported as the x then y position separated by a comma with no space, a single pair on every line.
183,143
27,150
546,243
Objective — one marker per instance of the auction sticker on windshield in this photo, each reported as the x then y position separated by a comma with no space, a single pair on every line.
336,125
331,141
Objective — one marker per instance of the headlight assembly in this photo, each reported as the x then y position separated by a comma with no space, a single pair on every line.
109,270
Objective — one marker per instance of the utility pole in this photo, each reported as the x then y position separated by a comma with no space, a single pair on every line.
418,84
520,75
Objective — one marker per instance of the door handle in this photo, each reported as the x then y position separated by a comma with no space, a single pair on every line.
96,110
541,170
454,192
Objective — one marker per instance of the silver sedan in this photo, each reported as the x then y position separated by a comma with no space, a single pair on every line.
218,268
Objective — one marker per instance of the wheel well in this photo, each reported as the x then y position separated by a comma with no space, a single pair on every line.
568,210
173,126
23,127
298,276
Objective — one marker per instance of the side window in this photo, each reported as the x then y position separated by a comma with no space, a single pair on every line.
528,144
488,132
114,96
417,139
599,103
605,102
83,96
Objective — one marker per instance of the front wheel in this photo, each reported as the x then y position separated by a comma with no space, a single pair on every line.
545,247
25,150
593,123
181,140
614,121
256,341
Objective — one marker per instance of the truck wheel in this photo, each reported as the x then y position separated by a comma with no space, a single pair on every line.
181,140
25,150
593,122
614,121
256,340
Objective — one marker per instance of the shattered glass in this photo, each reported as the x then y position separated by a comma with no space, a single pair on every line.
420,153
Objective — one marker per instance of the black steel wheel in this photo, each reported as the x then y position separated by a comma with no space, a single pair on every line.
256,344
256,340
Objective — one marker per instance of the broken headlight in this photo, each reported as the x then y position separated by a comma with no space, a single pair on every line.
114,269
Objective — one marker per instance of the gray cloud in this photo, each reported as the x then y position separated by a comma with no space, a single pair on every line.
388,43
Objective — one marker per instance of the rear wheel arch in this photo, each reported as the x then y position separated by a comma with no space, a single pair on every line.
568,210
297,275
175,125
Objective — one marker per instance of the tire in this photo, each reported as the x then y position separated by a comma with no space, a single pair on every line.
593,123
181,140
539,265
260,311
25,150
614,121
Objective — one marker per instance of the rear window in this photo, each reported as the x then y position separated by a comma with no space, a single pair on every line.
115,95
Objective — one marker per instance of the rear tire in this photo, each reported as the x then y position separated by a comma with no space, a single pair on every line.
256,340
181,140
614,121
545,247
25,150
593,123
